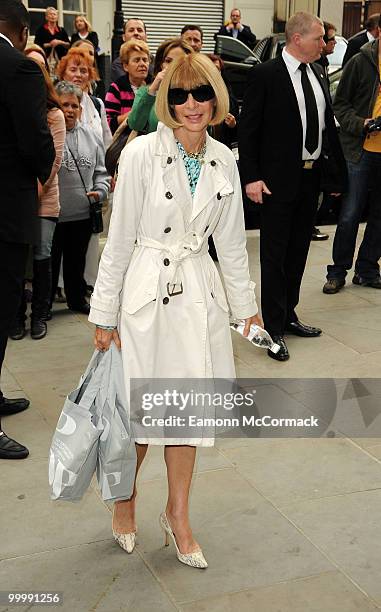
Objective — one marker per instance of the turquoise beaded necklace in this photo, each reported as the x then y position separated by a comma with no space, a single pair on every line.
192,163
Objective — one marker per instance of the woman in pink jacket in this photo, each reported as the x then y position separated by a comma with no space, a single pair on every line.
48,213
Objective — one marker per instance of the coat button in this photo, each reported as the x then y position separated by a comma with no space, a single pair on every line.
167,230
166,262
169,160
168,195
219,196
212,163
165,300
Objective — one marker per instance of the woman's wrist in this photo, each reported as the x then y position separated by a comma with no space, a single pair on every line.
109,328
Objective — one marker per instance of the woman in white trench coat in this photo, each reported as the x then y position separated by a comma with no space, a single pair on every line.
157,283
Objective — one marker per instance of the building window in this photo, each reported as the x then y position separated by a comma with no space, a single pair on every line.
67,10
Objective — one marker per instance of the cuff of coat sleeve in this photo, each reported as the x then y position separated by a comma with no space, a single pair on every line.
99,317
243,309
104,312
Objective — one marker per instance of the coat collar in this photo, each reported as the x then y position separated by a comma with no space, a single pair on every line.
166,146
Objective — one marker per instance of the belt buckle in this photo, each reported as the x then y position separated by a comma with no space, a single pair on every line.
308,164
173,291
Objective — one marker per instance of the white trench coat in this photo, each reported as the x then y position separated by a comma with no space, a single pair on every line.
158,245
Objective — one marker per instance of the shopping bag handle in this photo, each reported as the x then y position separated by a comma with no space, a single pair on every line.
99,363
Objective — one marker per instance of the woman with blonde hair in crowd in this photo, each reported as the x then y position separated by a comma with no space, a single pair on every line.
48,212
135,57
142,116
84,31
158,294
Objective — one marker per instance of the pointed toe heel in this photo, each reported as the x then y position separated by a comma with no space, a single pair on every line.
126,541
194,559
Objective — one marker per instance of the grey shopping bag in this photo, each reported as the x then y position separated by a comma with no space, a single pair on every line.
74,448
116,464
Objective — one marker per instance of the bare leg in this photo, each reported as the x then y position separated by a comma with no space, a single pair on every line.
180,462
124,511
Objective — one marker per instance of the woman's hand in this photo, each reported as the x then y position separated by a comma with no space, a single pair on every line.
93,194
103,338
154,87
230,120
121,118
256,320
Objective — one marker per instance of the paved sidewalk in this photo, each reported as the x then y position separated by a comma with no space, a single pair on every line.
286,525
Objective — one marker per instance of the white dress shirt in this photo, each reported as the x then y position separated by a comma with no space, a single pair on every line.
7,39
292,65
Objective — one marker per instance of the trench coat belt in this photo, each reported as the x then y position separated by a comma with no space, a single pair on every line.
190,245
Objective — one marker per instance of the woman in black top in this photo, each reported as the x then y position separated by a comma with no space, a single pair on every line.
84,32
50,36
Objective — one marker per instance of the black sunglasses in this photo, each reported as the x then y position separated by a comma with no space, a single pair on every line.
203,93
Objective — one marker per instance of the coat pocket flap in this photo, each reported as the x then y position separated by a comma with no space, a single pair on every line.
140,292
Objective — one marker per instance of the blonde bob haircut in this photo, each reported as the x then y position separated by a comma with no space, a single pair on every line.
130,47
87,22
189,72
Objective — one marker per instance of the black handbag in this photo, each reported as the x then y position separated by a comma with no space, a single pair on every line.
95,208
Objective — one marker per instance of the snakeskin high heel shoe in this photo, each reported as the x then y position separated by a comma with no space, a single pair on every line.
194,559
126,541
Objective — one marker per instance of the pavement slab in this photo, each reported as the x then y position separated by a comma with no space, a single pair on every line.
328,592
284,470
97,576
346,528
256,544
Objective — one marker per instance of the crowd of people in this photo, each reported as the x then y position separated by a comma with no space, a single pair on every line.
157,293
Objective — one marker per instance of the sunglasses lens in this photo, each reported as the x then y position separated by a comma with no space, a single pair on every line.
200,94
177,96
203,93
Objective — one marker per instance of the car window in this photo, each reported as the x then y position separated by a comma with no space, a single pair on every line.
334,81
262,49
230,48
336,58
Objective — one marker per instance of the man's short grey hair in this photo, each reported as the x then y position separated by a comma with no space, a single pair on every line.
301,23
65,88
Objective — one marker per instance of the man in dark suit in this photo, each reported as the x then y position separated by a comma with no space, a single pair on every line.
287,136
356,42
237,30
26,154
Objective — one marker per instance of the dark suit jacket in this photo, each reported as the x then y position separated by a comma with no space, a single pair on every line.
26,146
246,36
270,135
354,45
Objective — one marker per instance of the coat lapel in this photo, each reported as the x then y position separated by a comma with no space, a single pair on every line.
176,181
285,85
318,72
212,182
